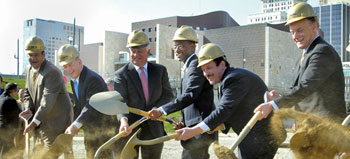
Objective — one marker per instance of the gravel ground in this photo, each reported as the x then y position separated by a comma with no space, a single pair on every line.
172,149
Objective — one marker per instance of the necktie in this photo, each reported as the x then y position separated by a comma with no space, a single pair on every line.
35,75
302,58
144,83
76,88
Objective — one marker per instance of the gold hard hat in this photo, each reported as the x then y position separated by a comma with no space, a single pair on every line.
34,45
66,54
300,11
209,52
137,38
185,33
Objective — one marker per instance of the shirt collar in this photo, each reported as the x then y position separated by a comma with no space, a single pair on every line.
307,49
36,70
188,59
77,79
144,67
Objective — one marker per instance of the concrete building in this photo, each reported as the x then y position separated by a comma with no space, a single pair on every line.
92,56
272,11
346,69
53,33
334,20
323,2
212,20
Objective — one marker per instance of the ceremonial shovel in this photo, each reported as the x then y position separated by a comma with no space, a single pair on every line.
110,103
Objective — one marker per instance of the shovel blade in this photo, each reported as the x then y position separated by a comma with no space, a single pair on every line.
109,103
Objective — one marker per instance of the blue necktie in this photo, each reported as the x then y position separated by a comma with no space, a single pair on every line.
76,88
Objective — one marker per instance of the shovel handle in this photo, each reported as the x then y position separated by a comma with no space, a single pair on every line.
117,137
246,130
145,114
158,140
26,137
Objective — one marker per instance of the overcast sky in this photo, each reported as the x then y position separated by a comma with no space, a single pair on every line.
96,16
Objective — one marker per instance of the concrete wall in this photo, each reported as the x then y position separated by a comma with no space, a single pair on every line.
282,55
114,42
90,54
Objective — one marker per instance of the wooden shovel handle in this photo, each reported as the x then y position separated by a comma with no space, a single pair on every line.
246,130
145,114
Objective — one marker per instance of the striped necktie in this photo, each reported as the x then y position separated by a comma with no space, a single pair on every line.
302,58
35,75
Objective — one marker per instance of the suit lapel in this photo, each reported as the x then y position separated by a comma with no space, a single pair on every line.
81,84
134,76
151,75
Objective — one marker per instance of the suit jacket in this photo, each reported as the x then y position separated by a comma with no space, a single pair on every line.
128,84
9,120
48,99
197,99
319,84
93,121
240,92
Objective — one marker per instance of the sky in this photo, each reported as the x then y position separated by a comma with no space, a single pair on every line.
97,16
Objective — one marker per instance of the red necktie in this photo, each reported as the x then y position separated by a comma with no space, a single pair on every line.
144,83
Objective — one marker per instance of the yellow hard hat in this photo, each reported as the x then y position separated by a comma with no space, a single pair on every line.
66,54
209,52
185,33
137,38
34,45
300,11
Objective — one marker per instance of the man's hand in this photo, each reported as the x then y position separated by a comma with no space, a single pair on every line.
179,125
272,95
154,113
124,126
72,130
265,109
29,128
187,133
27,114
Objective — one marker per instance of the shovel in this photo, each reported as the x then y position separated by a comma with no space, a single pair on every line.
57,148
110,103
117,137
27,149
129,151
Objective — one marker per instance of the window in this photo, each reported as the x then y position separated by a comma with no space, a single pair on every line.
150,39
155,39
149,29
143,30
155,28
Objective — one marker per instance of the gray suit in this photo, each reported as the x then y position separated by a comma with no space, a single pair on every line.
49,102
319,83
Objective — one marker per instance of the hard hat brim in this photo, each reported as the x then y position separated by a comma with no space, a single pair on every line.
62,63
294,20
34,51
204,62
183,39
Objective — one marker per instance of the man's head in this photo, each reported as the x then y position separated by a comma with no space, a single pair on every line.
12,89
185,39
68,57
212,60
36,51
303,25
138,47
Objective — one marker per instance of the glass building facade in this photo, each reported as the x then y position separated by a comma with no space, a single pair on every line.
54,34
334,20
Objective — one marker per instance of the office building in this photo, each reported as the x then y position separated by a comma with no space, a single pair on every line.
272,11
54,34
334,20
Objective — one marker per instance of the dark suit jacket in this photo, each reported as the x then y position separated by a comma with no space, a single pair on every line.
9,120
93,121
128,84
319,83
240,92
197,99
48,99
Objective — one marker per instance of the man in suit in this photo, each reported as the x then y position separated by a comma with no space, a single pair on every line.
98,128
9,121
143,85
240,91
319,83
196,101
46,96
